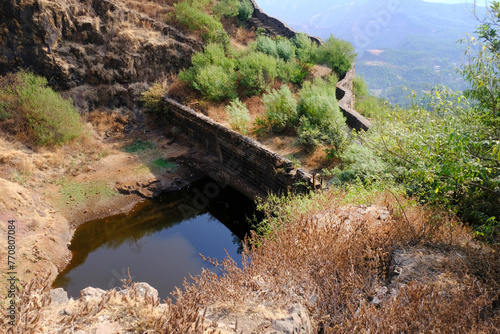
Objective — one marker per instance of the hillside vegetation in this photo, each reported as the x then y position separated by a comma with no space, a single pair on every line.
404,239
262,85
417,39
445,147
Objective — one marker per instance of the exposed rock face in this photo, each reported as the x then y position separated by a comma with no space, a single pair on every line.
100,50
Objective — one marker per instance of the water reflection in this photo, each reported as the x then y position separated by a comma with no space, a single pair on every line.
156,242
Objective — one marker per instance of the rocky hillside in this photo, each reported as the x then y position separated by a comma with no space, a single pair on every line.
103,53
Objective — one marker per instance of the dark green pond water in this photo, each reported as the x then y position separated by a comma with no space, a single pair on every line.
159,242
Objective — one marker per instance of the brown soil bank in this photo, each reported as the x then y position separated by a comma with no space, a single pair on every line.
49,192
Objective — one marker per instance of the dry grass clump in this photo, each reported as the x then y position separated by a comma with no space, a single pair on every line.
156,9
338,260
244,36
133,311
107,121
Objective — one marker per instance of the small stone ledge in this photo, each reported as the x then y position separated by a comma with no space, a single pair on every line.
345,97
244,163
276,25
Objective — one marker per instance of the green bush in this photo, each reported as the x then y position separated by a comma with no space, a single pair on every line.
239,115
329,133
322,122
4,111
310,135
317,101
266,45
228,8
191,13
48,118
245,10
362,163
291,71
360,88
285,48
256,70
337,54
281,108
212,73
449,154
306,49
280,47
215,83
372,107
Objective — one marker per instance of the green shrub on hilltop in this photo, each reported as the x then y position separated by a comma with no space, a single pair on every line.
266,44
245,10
192,13
256,71
280,47
212,73
239,116
317,101
281,108
285,48
337,54
151,98
321,120
41,116
306,49
366,104
229,8
292,71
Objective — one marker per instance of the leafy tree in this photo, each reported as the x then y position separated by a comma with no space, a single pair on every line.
446,148
483,68
337,54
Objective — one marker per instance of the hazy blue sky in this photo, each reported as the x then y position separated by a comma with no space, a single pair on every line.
479,2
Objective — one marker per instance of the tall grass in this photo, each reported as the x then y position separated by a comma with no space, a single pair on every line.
239,116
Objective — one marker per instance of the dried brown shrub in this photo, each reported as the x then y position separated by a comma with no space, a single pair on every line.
107,121
244,36
156,9
181,91
336,259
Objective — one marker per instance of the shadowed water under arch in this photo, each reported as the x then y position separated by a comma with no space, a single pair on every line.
159,242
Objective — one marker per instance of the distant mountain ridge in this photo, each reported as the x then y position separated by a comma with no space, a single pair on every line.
416,40
373,23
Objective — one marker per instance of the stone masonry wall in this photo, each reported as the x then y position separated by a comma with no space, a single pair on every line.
242,162
280,27
345,97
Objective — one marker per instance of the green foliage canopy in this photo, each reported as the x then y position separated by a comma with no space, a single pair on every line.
337,54
212,73
45,117
281,108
